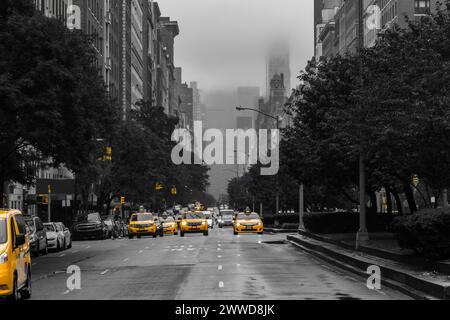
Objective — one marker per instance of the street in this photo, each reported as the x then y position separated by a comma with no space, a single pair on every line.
218,267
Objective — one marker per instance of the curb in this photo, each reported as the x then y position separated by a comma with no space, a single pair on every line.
274,230
408,284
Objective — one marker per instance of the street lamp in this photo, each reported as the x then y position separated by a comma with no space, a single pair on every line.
277,119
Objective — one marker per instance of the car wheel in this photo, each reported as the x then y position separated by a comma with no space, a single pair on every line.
155,235
130,236
206,233
38,250
64,245
15,295
45,252
25,293
235,233
70,244
181,234
140,237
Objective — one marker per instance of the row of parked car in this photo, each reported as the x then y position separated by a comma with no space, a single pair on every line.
47,236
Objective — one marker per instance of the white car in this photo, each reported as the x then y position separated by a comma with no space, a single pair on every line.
209,217
67,235
55,239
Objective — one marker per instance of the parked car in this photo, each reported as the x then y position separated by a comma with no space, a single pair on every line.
38,236
15,257
89,226
55,239
67,235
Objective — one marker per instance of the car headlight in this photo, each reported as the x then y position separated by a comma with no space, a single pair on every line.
238,224
3,258
204,222
184,223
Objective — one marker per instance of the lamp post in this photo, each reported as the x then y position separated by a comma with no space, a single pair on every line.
277,119
363,234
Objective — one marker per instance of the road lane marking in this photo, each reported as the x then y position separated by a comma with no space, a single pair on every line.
66,292
219,257
238,265
221,284
88,247
141,251
220,268
104,272
62,255
33,264
218,249
75,251
126,259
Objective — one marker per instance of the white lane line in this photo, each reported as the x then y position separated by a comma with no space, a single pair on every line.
33,264
104,272
218,249
141,251
219,257
66,292
219,245
220,268
239,255
88,247
75,251
221,284
238,265
146,248
62,255
126,259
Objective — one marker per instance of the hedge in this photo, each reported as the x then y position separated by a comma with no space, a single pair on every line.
426,232
345,222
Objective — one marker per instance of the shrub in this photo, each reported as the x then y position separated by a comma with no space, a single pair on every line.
426,232
345,222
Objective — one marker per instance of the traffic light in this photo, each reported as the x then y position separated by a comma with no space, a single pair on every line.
174,191
42,199
415,180
122,200
159,186
108,154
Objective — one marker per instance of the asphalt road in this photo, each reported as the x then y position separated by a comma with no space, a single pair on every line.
218,267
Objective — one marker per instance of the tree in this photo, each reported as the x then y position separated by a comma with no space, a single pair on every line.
53,101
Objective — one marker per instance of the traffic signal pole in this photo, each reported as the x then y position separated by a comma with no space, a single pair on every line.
49,205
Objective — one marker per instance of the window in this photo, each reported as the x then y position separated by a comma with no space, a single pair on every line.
422,6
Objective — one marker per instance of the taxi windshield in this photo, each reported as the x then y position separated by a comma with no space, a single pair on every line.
3,234
169,220
142,217
250,216
195,215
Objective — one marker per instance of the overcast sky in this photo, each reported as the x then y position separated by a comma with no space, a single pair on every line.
222,42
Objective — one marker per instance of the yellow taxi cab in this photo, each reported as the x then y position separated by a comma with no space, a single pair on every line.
248,222
15,258
142,224
194,222
170,226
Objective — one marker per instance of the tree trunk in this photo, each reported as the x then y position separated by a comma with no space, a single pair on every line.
398,202
373,202
388,200
410,197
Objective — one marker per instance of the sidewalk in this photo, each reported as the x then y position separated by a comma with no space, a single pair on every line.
401,269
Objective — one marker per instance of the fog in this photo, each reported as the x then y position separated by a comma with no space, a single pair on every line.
222,43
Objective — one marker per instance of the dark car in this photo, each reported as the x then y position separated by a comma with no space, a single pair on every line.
89,226
38,236
226,218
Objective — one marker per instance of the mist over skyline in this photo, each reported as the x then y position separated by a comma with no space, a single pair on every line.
223,43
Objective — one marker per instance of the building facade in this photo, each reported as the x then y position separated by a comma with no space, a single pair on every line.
278,62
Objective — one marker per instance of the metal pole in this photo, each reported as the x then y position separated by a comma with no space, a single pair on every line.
261,210
445,198
362,234
277,197
49,209
301,208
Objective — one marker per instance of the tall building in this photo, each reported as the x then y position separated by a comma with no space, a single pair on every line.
197,108
274,105
278,62
337,31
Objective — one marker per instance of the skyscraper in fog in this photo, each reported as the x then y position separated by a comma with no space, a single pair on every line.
278,62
